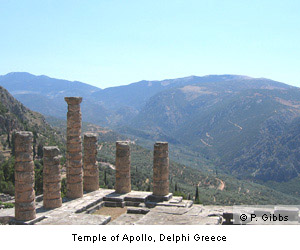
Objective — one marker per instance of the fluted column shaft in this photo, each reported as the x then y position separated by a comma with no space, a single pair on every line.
74,148
123,179
90,167
161,169
51,178
24,177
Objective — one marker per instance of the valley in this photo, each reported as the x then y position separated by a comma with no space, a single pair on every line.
234,137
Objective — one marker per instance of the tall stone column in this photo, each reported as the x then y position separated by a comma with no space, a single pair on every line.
161,169
74,151
24,177
51,178
90,167
123,179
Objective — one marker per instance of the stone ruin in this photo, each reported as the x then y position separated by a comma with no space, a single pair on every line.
81,175
24,177
74,148
51,178
84,197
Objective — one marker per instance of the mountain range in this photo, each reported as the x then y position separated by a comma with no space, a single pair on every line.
243,126
213,187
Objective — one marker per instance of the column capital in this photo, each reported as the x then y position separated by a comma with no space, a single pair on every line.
51,151
90,135
73,100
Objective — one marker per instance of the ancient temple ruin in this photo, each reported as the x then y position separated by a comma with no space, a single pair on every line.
82,170
85,198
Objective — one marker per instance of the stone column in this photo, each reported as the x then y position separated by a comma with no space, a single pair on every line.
90,167
24,177
123,179
161,169
51,178
74,151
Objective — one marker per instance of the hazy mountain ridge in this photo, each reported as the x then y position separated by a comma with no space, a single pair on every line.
225,118
14,116
184,177
46,95
22,82
226,125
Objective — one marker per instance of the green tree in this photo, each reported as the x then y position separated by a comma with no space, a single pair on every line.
105,178
40,151
197,200
13,144
38,176
8,140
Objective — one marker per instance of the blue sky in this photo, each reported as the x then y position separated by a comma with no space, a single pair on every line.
109,42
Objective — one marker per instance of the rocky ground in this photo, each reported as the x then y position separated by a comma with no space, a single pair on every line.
104,207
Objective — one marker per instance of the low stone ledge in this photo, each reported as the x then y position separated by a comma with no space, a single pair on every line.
89,205
94,208
137,211
114,204
132,203
156,198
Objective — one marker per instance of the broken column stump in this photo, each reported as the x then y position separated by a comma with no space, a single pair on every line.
90,167
123,179
24,177
160,172
51,178
74,150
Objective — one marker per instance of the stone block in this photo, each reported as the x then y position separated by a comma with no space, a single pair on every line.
25,215
23,186
52,187
54,203
72,101
26,196
23,157
25,206
160,198
74,156
74,190
91,172
50,151
24,176
27,166
75,178
49,178
52,170
114,204
51,161
74,171
89,187
51,195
